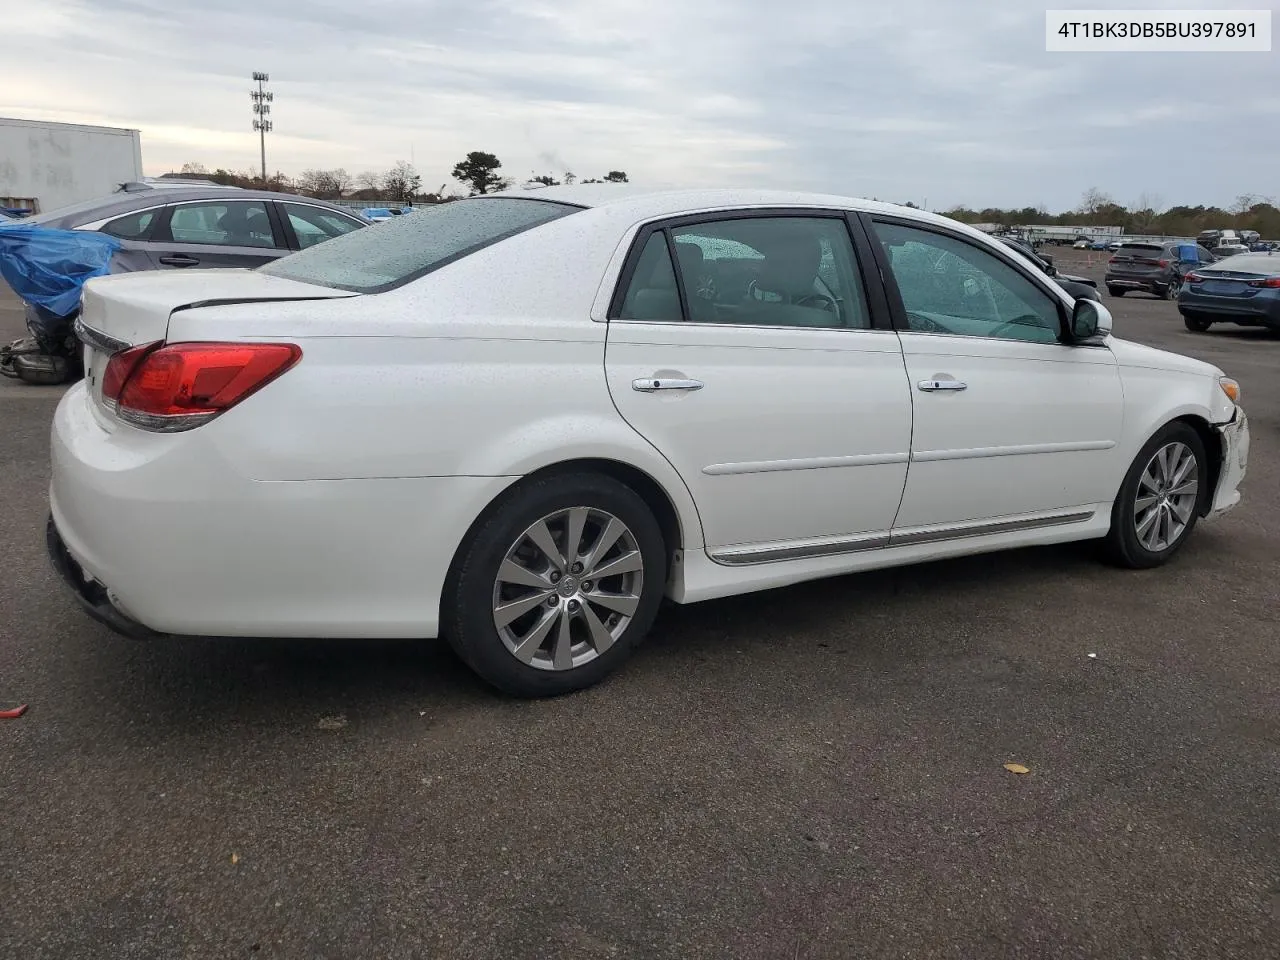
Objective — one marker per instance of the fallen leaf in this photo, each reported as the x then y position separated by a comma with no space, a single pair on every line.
235,858
332,723
1017,768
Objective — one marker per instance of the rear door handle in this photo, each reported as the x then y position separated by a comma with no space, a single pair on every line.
179,260
650,384
930,386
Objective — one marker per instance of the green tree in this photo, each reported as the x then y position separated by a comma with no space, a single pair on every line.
479,171
546,179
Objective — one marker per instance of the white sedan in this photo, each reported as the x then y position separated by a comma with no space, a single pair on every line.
519,421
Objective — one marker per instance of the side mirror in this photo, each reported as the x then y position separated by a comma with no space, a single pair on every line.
1090,322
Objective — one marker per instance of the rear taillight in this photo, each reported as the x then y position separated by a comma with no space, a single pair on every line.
178,386
1193,278
119,367
1113,260
1162,264
1270,282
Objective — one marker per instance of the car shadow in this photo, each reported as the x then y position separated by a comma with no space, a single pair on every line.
184,685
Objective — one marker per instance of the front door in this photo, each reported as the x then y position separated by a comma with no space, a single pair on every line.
742,348
1008,420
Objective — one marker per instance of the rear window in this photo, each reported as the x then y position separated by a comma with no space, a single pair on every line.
405,248
1141,249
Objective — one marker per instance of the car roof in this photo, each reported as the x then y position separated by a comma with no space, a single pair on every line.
123,202
648,202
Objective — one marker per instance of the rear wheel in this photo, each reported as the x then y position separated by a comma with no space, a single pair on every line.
557,587
1170,290
1195,324
1115,291
1159,501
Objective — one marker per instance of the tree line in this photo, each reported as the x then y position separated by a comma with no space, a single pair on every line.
1148,215
477,173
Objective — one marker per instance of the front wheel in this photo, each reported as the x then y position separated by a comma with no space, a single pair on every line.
557,586
1159,501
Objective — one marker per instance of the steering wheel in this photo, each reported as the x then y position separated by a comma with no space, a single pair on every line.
918,321
820,301
1011,326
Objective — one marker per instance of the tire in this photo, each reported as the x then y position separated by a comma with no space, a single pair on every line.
1170,290
501,565
1116,291
1128,544
1196,324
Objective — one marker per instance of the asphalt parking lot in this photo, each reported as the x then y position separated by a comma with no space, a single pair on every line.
814,772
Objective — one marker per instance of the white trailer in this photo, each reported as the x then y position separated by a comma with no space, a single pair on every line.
45,165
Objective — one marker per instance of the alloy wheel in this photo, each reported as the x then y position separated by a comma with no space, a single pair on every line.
567,588
1167,492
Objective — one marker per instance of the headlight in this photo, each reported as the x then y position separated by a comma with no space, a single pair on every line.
1230,388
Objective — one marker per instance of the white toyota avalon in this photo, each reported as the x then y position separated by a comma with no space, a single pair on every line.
519,421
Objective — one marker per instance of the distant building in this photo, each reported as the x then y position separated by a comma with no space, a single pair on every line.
45,165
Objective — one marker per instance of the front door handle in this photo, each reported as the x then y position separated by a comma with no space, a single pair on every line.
179,260
650,384
929,386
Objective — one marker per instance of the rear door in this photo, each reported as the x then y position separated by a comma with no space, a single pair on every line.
217,233
742,346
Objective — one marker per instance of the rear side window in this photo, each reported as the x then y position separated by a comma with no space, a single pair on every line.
402,249
312,225
133,226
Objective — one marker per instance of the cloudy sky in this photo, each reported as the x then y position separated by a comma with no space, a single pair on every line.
936,101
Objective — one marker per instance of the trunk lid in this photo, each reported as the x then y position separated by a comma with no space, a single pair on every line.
131,309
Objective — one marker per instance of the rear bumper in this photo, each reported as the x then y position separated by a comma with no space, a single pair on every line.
163,534
1250,312
1150,284
92,595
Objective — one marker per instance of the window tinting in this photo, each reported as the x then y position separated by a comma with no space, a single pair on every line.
239,223
134,226
402,249
314,225
949,286
764,271
652,294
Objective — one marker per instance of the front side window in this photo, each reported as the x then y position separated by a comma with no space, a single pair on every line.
402,249
761,271
950,286
312,225
223,223
133,226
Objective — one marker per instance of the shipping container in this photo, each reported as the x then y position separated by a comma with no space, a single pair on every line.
45,165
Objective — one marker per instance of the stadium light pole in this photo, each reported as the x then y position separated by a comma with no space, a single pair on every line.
261,111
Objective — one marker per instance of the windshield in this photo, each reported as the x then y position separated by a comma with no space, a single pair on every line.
405,248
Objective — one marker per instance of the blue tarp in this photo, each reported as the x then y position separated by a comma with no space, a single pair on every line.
47,268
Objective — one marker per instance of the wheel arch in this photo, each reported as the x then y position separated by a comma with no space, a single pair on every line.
673,526
1213,450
